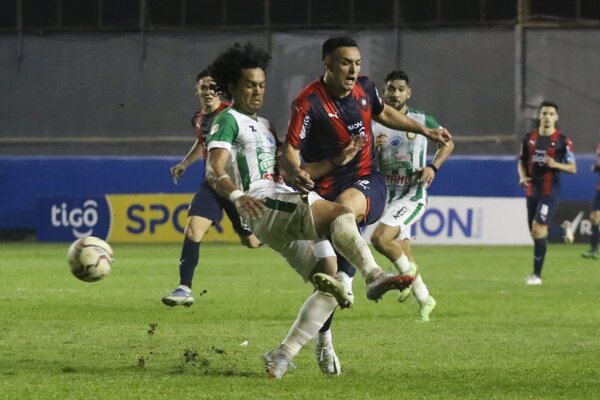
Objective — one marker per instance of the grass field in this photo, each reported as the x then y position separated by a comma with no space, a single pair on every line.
491,337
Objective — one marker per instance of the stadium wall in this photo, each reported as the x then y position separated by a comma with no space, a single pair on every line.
127,93
474,199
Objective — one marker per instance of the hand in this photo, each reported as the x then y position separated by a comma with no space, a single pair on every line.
439,135
381,140
524,181
427,176
350,151
177,172
300,179
249,207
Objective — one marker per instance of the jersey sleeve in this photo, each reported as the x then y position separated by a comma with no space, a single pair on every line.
300,123
223,132
430,122
569,151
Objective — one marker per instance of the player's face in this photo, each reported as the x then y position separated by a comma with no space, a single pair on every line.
396,93
341,70
206,88
548,117
248,94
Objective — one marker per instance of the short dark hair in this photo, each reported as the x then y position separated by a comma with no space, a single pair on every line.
334,43
202,74
227,67
547,103
397,75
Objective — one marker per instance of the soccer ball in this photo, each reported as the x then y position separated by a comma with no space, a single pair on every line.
90,258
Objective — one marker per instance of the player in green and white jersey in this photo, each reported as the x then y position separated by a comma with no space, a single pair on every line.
402,159
242,167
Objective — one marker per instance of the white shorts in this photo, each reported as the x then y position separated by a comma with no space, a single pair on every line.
403,213
287,226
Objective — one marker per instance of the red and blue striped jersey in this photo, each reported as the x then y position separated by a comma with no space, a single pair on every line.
202,123
534,151
321,126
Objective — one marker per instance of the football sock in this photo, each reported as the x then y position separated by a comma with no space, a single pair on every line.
420,289
344,265
402,264
594,238
313,314
190,253
349,243
539,252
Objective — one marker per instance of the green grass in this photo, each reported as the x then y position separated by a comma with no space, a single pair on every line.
491,337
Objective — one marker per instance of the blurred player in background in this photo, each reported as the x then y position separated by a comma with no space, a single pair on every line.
595,214
327,114
242,167
206,208
544,154
402,159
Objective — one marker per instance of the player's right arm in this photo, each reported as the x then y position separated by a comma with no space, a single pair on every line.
222,135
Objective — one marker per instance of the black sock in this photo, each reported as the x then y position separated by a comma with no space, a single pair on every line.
594,238
539,252
190,252
345,266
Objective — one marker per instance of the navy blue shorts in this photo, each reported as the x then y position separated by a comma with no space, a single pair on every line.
373,187
208,204
541,209
596,202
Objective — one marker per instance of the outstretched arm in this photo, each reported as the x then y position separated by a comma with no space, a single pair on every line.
395,119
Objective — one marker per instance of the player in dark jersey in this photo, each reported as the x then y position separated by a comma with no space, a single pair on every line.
544,154
595,214
206,208
327,115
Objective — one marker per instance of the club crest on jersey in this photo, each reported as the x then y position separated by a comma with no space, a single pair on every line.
552,143
214,128
364,103
395,141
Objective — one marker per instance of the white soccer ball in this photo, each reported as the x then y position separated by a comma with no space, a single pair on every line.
90,258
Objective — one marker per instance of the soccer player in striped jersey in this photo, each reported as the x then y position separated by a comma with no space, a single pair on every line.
402,159
206,208
327,114
592,253
544,154
242,166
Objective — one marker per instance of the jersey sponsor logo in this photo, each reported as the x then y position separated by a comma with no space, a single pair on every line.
305,125
395,141
397,180
356,129
539,157
400,213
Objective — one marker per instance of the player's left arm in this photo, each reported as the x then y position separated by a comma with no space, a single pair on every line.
569,165
395,119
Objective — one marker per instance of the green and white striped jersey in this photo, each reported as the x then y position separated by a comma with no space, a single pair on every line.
252,146
402,156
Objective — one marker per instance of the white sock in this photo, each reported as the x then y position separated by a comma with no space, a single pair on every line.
323,338
311,317
347,241
420,290
346,279
402,264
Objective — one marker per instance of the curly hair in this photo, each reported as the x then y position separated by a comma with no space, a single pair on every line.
227,67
